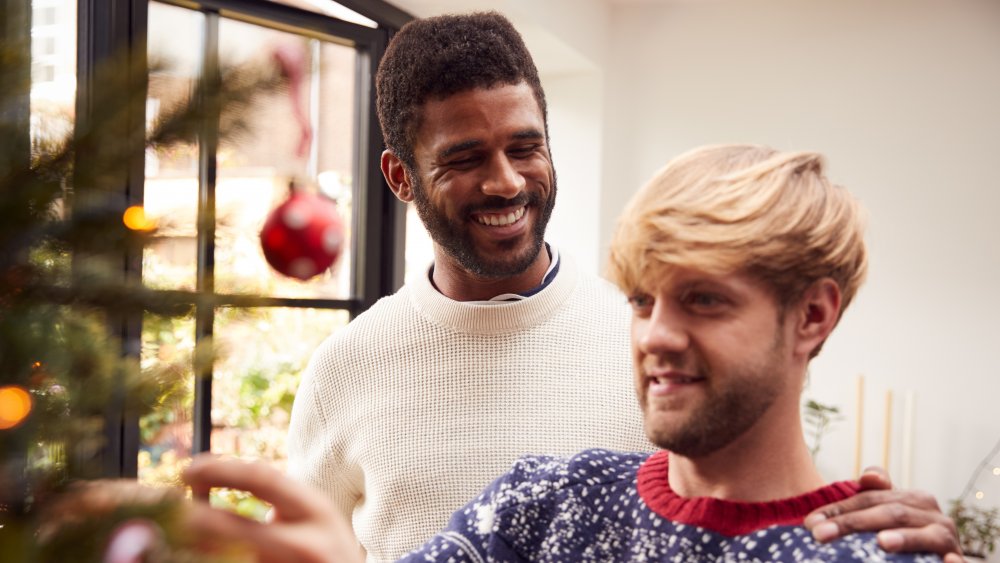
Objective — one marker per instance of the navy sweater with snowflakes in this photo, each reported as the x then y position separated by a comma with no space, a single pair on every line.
606,506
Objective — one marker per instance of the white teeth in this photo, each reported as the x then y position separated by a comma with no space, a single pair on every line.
665,381
500,220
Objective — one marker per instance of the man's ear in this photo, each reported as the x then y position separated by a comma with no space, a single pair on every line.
816,315
397,176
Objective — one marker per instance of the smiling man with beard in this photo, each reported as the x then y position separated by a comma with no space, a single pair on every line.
503,348
484,187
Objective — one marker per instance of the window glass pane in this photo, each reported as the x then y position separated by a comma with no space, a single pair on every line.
171,190
260,356
36,116
262,353
53,69
166,433
171,199
254,171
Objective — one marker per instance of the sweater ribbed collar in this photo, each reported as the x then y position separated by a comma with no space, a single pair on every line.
494,318
730,518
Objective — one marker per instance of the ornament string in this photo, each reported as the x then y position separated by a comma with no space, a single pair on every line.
291,62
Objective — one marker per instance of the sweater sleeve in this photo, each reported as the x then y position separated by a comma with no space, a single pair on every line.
476,532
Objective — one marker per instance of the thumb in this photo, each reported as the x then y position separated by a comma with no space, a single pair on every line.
874,478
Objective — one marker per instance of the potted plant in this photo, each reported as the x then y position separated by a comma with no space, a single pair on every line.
978,528
819,418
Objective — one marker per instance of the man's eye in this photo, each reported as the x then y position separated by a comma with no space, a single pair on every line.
522,151
640,301
462,162
703,300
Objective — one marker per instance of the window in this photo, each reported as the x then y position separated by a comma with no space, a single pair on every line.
211,197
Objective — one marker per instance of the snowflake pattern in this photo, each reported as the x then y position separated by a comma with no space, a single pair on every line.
587,508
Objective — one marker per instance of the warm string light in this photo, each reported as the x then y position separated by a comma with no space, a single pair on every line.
980,469
980,495
15,405
135,219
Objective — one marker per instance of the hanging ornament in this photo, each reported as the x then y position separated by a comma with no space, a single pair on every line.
303,236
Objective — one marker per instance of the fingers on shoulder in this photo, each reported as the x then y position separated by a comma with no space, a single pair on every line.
932,538
862,501
886,516
874,478
902,508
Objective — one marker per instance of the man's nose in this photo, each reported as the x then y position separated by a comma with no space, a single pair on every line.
662,332
503,179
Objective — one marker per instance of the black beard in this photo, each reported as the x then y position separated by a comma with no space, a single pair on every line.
454,237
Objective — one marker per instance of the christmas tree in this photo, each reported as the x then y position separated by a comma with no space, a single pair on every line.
64,232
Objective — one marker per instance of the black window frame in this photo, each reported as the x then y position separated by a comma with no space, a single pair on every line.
109,27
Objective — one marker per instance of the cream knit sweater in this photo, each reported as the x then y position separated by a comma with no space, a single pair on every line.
408,412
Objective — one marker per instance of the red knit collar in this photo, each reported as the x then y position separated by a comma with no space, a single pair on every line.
726,517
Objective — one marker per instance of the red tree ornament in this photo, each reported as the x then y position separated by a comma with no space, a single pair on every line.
303,236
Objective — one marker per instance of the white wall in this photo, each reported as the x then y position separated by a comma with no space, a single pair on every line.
575,105
904,98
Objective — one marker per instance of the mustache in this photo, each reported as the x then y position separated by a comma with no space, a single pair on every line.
494,202
678,361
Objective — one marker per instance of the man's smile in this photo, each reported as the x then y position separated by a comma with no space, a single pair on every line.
500,219
666,382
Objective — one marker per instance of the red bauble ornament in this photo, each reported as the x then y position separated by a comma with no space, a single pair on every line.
303,236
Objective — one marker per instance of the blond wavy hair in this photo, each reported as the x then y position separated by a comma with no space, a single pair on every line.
731,208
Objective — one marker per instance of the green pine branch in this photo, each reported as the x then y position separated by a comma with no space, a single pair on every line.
62,281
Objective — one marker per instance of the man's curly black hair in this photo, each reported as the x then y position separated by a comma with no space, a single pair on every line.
433,58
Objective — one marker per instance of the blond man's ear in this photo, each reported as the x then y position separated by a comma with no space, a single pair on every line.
816,315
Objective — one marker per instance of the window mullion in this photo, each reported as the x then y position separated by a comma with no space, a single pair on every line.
205,278
111,32
15,33
380,219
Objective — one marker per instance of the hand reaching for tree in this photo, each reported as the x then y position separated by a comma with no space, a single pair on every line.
305,528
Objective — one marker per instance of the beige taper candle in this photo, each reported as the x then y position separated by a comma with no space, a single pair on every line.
858,423
887,431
